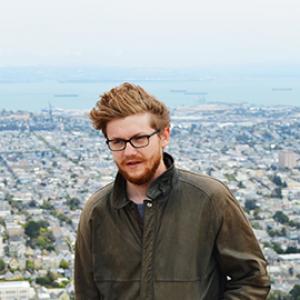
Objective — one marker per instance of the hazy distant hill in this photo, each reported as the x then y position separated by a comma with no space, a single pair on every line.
92,74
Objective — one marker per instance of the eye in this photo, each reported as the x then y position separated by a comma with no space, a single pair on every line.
117,142
139,139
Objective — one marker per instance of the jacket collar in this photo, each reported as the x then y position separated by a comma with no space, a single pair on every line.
159,187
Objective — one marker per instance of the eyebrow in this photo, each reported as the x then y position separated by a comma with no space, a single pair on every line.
133,136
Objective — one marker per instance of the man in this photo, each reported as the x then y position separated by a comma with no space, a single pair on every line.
158,232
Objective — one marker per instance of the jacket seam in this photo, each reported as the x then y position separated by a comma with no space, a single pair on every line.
95,201
183,281
195,186
154,280
116,280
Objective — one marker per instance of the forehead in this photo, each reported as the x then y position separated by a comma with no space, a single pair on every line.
129,126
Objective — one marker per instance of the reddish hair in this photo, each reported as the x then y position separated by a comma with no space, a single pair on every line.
126,100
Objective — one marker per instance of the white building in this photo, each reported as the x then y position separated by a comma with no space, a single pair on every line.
16,290
4,209
13,229
288,159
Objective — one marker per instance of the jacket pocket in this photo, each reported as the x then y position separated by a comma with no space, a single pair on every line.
191,289
177,289
118,290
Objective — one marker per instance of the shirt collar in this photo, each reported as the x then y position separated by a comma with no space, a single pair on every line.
159,187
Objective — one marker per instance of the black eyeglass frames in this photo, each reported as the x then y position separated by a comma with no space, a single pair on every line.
139,141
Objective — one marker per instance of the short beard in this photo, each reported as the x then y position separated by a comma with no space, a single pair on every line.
146,176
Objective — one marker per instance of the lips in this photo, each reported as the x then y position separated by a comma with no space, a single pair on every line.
133,163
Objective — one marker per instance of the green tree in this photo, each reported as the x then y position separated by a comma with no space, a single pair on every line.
241,185
277,248
64,264
291,249
29,265
32,228
281,217
250,204
32,203
44,281
256,225
2,265
278,181
277,193
294,224
48,280
295,292
40,236
73,203
45,239
8,197
47,205
62,217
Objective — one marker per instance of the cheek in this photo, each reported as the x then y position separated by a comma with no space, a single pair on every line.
164,142
116,156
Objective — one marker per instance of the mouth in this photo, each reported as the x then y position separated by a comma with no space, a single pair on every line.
133,163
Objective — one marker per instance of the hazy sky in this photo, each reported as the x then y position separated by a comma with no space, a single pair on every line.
156,33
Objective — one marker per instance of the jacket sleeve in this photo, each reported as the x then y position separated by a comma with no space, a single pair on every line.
85,287
238,252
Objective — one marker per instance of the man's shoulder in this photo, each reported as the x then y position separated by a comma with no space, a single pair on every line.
209,185
97,199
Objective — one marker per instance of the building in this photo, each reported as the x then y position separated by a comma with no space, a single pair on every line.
16,290
288,159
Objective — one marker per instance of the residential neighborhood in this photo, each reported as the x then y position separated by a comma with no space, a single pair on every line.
52,161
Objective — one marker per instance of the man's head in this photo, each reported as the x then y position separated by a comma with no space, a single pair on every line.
126,100
136,126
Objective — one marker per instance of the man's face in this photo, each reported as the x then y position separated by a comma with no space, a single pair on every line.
138,165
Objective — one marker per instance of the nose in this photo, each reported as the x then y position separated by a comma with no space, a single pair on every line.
129,149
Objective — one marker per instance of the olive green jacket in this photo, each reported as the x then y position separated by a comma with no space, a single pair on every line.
195,243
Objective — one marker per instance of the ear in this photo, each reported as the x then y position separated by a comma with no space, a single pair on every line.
165,136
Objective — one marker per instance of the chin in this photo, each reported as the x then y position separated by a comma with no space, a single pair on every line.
139,180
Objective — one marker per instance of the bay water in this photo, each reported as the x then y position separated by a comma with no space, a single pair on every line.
35,96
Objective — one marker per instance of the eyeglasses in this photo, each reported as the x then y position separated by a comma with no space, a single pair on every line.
139,141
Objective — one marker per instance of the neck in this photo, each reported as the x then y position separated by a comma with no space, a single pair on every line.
137,193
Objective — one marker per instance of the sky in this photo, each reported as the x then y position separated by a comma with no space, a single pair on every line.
156,33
